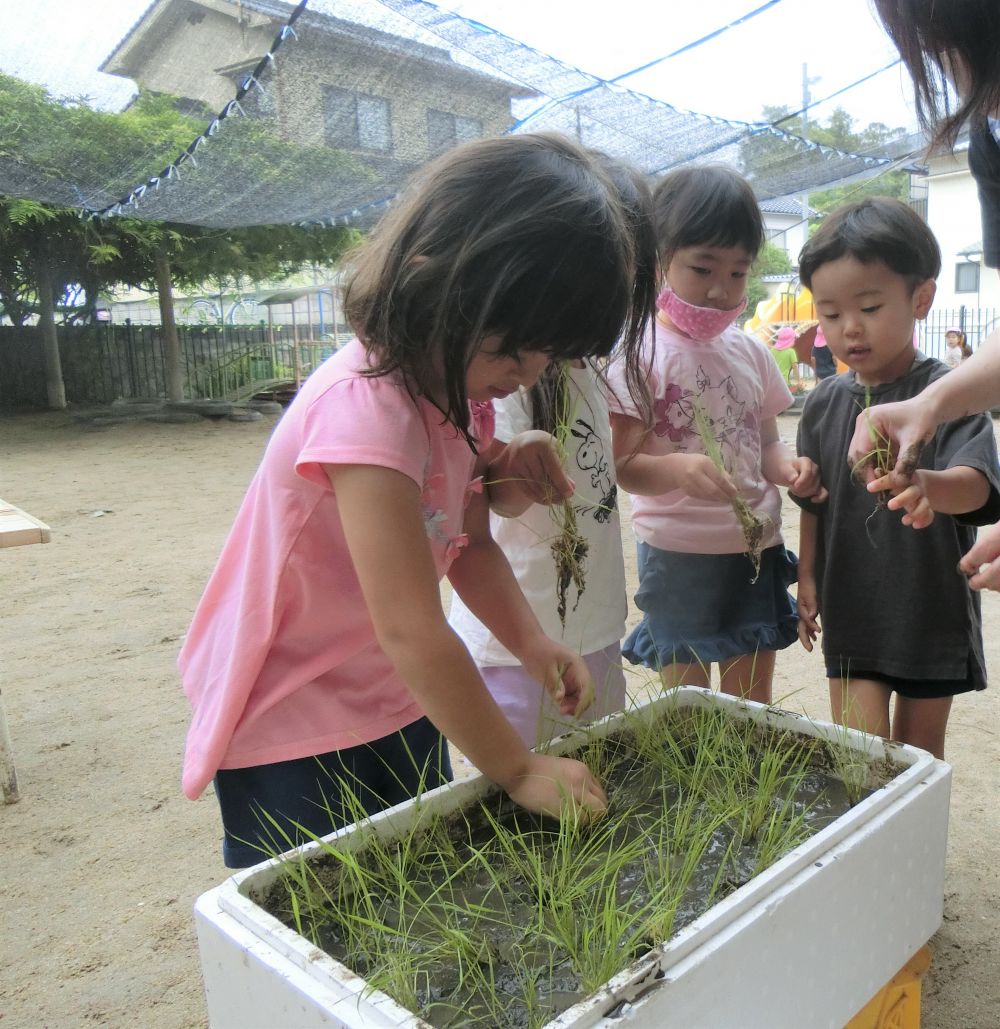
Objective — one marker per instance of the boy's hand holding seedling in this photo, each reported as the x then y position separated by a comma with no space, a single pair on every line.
953,491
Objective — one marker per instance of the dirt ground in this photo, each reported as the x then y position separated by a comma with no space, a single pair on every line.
103,857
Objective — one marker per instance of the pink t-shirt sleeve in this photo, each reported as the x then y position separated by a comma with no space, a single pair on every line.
361,421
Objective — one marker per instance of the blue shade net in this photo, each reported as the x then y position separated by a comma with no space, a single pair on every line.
316,113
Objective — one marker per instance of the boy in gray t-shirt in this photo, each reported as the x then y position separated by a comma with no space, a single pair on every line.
897,618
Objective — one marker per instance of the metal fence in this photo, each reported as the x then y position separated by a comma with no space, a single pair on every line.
976,322
102,363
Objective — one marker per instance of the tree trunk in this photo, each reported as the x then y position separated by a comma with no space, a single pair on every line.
54,386
171,344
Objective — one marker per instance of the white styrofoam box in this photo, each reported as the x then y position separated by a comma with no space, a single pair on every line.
807,942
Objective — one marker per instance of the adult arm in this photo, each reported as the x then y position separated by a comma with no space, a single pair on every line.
973,387
384,530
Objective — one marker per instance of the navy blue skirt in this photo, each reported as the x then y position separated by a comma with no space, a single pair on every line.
703,608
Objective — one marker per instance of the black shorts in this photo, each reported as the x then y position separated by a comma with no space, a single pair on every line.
912,689
268,809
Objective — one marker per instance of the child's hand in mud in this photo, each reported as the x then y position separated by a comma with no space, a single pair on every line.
804,480
807,603
982,563
558,786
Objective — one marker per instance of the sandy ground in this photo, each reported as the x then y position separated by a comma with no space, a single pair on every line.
103,857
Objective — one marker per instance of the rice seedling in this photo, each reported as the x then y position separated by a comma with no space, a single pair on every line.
879,456
751,526
493,917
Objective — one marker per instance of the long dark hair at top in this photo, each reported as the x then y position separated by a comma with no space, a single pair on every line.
705,205
935,37
522,237
547,398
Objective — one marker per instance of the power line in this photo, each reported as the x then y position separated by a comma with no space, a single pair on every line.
843,89
697,42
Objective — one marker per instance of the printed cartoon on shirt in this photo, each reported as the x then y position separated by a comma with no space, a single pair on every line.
732,424
592,460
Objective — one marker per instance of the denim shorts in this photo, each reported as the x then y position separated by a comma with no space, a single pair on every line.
703,608
268,809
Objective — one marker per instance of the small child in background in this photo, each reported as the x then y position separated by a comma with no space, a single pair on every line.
897,620
701,600
823,360
956,347
783,352
319,660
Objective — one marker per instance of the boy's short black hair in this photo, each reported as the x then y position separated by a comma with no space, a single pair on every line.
706,205
878,229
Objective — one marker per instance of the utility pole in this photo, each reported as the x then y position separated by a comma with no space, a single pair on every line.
806,100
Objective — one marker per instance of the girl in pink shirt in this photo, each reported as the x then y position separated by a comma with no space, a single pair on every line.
319,661
702,600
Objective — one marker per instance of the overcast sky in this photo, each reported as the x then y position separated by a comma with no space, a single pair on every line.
60,43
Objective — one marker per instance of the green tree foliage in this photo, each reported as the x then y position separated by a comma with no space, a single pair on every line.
88,255
764,155
771,260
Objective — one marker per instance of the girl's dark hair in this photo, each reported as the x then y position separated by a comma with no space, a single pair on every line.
527,238
935,36
709,205
875,229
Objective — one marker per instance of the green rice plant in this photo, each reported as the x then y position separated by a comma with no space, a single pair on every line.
879,456
492,917
751,526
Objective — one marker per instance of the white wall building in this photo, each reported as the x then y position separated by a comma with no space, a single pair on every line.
954,217
785,226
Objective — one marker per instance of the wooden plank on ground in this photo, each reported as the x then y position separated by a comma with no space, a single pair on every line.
18,528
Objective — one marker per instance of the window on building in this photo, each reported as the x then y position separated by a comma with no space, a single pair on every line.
356,121
444,130
967,277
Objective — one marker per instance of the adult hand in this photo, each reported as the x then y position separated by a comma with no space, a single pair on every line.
903,428
559,786
982,562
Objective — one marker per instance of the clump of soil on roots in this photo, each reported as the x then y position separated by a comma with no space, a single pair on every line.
569,551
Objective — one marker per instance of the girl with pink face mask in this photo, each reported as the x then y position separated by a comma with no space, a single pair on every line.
701,600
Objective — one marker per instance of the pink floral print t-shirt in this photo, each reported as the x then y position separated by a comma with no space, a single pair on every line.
736,383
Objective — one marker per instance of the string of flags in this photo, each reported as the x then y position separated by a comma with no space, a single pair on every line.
232,109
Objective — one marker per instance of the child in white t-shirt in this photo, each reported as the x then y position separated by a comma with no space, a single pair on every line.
594,615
